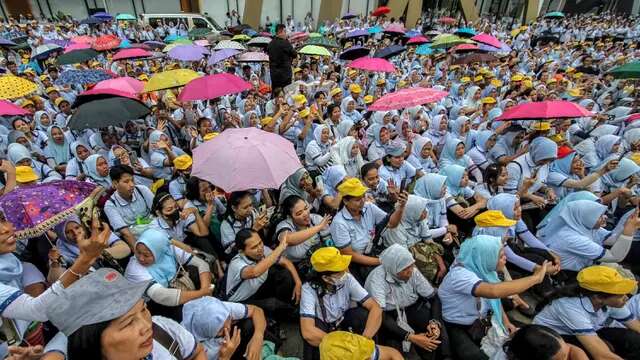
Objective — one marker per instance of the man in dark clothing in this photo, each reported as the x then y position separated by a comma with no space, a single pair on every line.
281,53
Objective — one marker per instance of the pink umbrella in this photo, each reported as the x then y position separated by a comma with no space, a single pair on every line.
395,28
488,40
253,56
83,40
464,47
213,86
76,46
131,53
417,40
299,36
406,98
125,83
10,109
251,159
372,64
538,110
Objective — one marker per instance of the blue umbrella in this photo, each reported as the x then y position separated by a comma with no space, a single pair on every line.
465,32
375,29
250,32
125,44
357,33
82,77
424,50
390,51
173,37
5,42
412,33
102,15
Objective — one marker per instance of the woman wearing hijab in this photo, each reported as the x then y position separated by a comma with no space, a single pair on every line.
485,140
349,111
437,132
463,203
567,174
381,137
143,173
616,184
300,184
454,154
411,308
395,168
42,120
470,294
331,179
20,156
98,171
16,136
348,155
57,151
507,148
157,260
76,168
433,188
319,151
422,155
162,154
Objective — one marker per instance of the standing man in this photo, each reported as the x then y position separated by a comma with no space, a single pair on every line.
281,54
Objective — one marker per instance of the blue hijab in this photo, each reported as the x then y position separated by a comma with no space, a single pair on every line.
164,267
616,178
92,171
448,156
481,139
59,152
331,177
504,203
542,148
480,255
582,215
207,327
454,174
563,166
430,187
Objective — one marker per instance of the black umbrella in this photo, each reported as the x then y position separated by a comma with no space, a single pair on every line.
477,57
354,52
77,56
110,111
389,51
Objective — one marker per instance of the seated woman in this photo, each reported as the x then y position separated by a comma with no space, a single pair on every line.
395,169
161,155
301,184
157,260
183,225
240,215
463,203
20,156
411,310
76,168
331,179
495,177
215,324
66,251
617,183
57,152
319,151
305,232
537,342
581,314
354,226
325,304
567,174
143,173
382,193
422,156
381,137
252,277
348,155
454,154
471,292
98,171
479,154
433,188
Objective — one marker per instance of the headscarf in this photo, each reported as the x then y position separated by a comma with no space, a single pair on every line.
411,228
59,152
542,148
92,171
481,139
454,174
376,129
317,134
246,120
616,178
448,156
394,259
504,203
430,187
574,196
469,94
332,176
352,164
14,135
37,117
97,144
68,250
164,267
563,166
632,136
505,142
154,137
206,327
291,186
582,215
480,255
344,126
17,152
604,146
434,126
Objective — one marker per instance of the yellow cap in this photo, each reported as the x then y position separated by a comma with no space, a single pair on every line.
295,70
342,345
478,78
50,89
304,112
25,174
517,77
60,100
368,99
183,162
352,72
402,83
352,187
26,103
528,83
210,136
44,77
156,185
541,126
493,218
551,81
335,91
29,71
465,79
488,100
570,70
497,83
329,259
299,99
381,81
266,120
578,75
557,138
454,67
575,92
355,89
635,157
606,280
489,75
143,77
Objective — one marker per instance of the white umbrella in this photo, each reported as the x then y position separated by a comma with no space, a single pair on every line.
229,44
45,49
259,41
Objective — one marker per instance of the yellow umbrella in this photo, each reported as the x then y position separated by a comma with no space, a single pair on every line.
241,37
12,87
170,79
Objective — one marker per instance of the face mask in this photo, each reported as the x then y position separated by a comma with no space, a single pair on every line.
339,281
174,216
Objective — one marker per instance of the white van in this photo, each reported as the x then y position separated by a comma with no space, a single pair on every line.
192,20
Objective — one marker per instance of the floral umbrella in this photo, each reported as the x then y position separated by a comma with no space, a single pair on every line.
82,77
13,87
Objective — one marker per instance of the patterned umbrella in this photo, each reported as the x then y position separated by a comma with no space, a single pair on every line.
43,51
12,87
323,42
299,36
447,20
407,98
82,77
253,56
241,37
76,56
259,41
229,44
106,42
221,55
37,208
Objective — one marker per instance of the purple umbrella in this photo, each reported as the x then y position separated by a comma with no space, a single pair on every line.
357,33
221,55
36,208
5,42
188,52
349,15
59,42
155,44
354,52
489,48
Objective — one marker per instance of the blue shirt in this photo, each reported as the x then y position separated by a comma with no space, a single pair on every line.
577,251
346,231
457,295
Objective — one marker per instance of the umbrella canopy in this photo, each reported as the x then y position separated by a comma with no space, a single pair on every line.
390,51
627,71
554,14
406,98
133,53
372,64
82,77
213,86
396,29
465,32
125,17
331,44
125,83
354,52
76,56
356,33
170,79
424,50
252,159
314,50
381,10
474,58
12,87
315,35
487,39
199,33
106,42
5,42
417,40
43,51
505,48
103,15
34,209
171,38
91,21
188,52
538,110
8,108
465,48
445,41
202,42
229,44
259,41
84,39
447,20
299,36
75,46
412,33
375,29
109,111
253,56
182,41
241,37
348,16
155,44
221,55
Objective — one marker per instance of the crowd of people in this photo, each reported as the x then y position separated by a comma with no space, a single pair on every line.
431,232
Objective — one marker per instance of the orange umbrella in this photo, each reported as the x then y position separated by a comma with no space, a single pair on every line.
106,42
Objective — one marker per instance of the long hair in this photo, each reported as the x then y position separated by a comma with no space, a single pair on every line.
84,343
533,342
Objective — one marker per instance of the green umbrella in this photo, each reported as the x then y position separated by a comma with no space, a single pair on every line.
315,35
314,50
445,41
199,33
322,41
627,71
125,17
554,14
183,42
76,56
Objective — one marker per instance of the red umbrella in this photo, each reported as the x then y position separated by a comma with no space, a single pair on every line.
106,42
464,47
381,11
132,53
213,86
8,108
372,64
406,98
488,40
417,40
447,20
538,110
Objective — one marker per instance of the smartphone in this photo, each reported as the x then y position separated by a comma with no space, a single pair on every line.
262,209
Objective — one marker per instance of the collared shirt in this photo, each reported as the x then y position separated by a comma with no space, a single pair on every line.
248,287
298,252
178,187
346,231
123,213
176,232
335,305
577,251
230,226
524,167
406,172
576,316
457,295
389,292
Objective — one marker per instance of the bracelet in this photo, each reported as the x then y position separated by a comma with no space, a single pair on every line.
75,273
